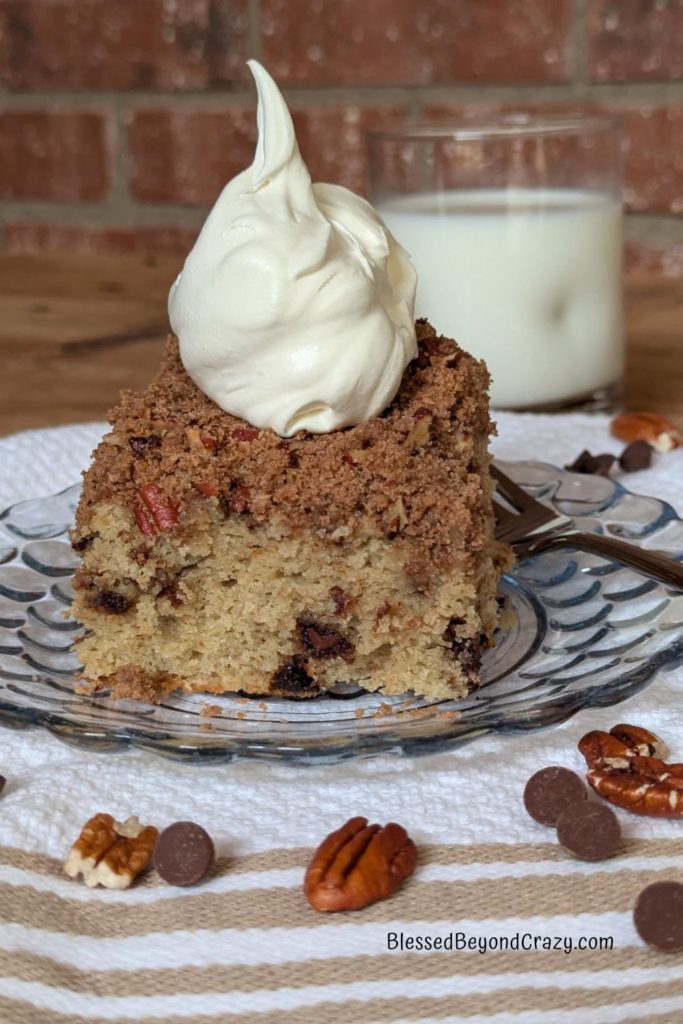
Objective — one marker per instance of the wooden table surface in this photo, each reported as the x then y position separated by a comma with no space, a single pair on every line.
75,329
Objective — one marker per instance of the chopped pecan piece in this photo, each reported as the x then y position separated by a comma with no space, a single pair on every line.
205,487
419,434
245,433
145,521
341,600
111,853
625,767
197,440
359,864
156,513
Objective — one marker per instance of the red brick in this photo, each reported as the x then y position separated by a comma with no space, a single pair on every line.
653,161
109,44
325,42
25,237
635,40
53,155
188,156
653,156
333,141
663,258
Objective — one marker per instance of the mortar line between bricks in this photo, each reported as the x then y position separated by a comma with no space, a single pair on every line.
121,213
135,214
579,37
659,94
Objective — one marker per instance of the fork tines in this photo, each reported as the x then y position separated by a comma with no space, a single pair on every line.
517,513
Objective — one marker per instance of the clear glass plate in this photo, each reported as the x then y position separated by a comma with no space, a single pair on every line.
584,632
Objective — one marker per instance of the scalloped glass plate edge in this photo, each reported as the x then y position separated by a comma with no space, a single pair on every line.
584,633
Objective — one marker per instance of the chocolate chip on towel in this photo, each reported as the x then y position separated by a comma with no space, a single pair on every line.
658,916
590,831
184,853
598,465
637,455
550,791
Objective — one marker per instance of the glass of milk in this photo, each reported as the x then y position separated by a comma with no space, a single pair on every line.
515,228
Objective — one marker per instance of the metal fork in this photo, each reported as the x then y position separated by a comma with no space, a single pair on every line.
531,527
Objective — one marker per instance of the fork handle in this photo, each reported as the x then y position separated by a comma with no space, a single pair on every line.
650,563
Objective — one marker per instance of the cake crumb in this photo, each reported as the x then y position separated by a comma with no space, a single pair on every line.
210,710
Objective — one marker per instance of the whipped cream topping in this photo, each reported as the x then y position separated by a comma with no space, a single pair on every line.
295,308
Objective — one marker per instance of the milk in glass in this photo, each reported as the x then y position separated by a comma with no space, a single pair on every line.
527,279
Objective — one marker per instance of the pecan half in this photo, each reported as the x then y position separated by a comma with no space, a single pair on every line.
625,768
359,864
111,853
657,430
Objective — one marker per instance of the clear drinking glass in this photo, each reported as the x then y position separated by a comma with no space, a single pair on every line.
515,228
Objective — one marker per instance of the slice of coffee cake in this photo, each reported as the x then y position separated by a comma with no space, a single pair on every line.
222,557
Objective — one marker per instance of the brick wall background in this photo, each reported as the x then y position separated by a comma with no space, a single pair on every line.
120,120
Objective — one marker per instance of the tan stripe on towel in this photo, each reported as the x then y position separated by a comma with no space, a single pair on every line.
456,853
544,895
511,1000
384,967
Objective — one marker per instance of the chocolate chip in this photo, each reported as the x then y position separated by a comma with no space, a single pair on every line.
144,444
293,679
235,499
466,650
83,543
323,641
110,602
184,853
637,455
598,465
550,792
3,782
658,916
590,831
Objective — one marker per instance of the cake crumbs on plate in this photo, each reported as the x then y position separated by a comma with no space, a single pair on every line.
210,710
